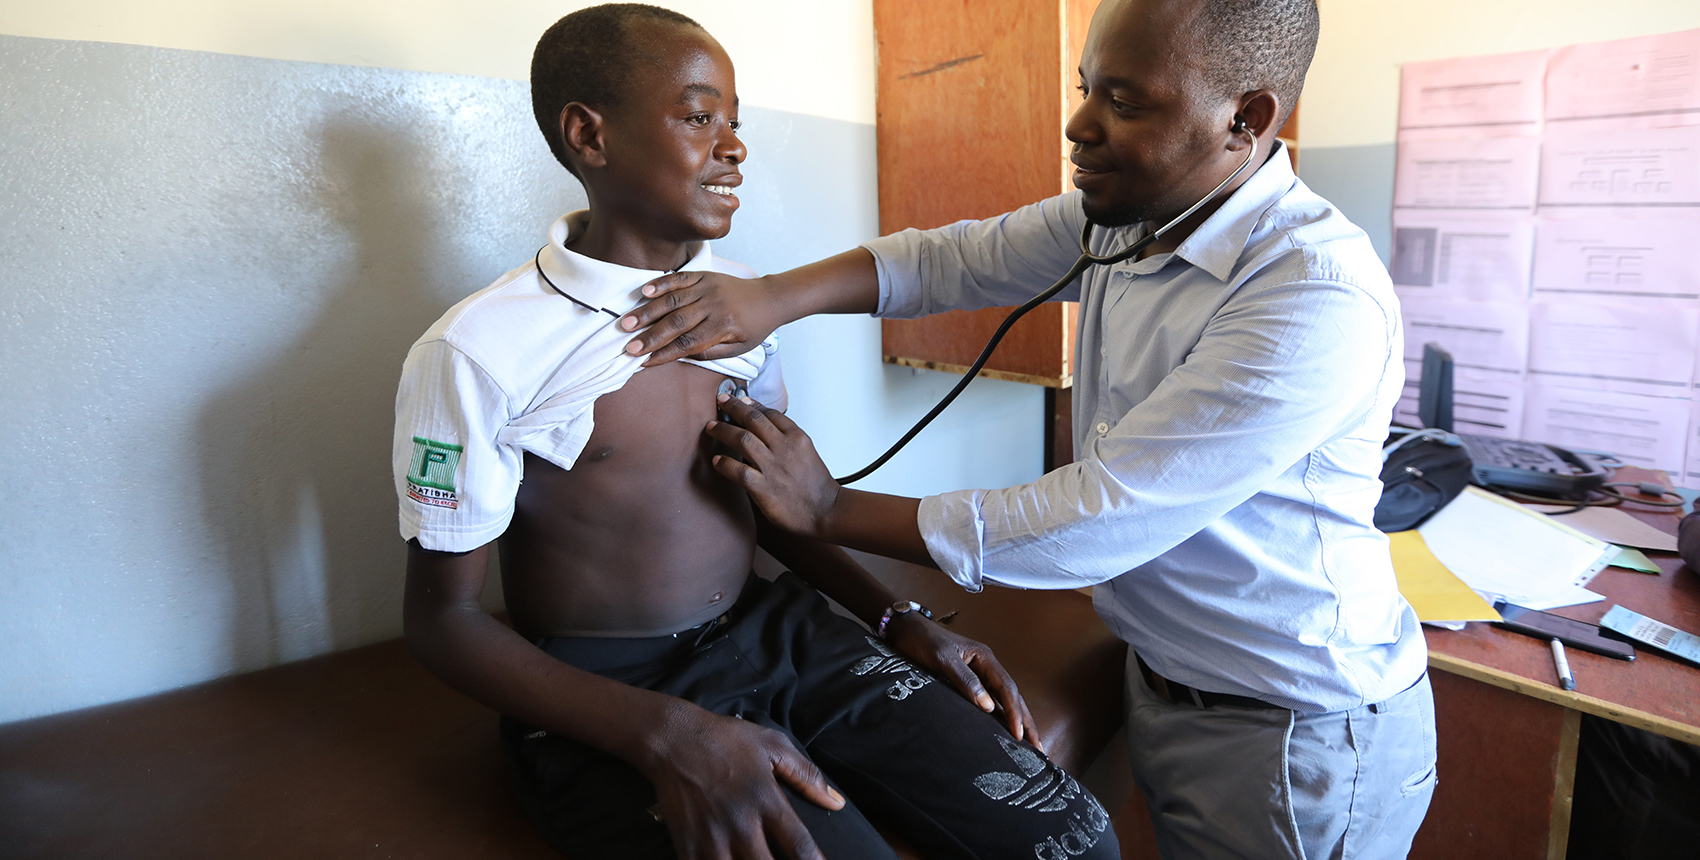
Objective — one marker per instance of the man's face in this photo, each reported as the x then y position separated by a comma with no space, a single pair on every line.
1150,134
671,145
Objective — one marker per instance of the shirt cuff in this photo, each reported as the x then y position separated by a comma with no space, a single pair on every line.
955,536
895,261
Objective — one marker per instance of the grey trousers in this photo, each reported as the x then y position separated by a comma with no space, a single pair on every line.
1229,782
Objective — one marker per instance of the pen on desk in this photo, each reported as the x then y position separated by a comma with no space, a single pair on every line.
1566,680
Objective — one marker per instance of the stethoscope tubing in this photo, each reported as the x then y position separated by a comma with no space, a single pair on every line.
1087,258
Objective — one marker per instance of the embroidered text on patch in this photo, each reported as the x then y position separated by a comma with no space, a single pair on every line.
431,475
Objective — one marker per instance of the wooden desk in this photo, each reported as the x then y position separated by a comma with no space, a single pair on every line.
1508,734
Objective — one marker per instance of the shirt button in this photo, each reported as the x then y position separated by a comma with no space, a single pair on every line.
1103,427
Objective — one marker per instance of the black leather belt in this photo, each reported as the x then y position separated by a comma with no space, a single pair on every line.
1176,693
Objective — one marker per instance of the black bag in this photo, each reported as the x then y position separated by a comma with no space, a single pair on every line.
1419,476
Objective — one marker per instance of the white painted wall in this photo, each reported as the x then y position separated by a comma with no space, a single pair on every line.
813,57
1351,96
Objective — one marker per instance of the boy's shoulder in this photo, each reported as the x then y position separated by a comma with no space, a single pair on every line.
522,308
557,311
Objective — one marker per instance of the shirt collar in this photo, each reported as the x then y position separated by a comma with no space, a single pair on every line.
599,284
1217,244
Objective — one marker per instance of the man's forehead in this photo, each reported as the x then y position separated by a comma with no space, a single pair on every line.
1148,25
1137,40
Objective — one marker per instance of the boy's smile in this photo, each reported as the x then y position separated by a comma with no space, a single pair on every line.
664,171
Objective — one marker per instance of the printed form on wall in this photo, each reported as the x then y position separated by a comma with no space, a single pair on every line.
1489,346
1548,202
1616,283
1463,229
1642,255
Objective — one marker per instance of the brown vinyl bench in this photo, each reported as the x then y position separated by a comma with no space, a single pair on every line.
364,754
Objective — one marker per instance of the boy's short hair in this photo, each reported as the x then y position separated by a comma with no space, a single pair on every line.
586,57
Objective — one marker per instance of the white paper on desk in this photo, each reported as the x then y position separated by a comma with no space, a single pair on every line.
1487,335
1625,167
1649,432
1493,91
1641,255
1462,254
1613,526
1626,77
1485,402
1613,347
1491,173
1497,547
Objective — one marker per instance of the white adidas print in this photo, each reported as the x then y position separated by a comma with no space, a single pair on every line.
1044,787
889,663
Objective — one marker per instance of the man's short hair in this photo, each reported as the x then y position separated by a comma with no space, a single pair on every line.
587,57
1259,44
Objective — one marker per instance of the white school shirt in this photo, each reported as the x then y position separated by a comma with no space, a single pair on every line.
1230,402
516,367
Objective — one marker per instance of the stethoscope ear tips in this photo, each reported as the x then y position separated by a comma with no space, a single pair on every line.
1238,126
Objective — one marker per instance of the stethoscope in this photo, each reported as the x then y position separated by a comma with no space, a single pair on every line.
1087,258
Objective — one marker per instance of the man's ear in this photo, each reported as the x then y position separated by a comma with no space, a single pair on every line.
1258,109
581,134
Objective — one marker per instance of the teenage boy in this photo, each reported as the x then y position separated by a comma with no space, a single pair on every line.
659,699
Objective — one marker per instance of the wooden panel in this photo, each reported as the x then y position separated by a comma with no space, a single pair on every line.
1501,758
968,108
972,102
1039,348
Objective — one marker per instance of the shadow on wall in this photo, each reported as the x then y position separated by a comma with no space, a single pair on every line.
295,478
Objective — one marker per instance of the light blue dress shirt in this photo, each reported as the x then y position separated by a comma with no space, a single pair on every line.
1230,402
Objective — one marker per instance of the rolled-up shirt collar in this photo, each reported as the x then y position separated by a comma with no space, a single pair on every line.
1217,244
597,283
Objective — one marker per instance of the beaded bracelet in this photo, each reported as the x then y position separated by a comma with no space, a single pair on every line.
901,607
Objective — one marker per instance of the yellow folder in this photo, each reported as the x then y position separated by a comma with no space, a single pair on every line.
1435,592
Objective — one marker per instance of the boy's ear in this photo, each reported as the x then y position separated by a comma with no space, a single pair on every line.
581,134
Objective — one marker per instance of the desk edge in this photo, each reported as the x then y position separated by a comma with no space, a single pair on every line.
1575,701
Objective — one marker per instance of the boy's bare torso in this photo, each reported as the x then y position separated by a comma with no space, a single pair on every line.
641,536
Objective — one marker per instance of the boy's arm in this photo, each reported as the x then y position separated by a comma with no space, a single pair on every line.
967,665
716,777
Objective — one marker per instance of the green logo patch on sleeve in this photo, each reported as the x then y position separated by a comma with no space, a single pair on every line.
431,475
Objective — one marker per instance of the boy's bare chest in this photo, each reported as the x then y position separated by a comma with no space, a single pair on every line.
642,533
654,422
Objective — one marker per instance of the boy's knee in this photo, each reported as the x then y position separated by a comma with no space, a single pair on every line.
1085,834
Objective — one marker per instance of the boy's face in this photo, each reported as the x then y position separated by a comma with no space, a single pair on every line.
671,146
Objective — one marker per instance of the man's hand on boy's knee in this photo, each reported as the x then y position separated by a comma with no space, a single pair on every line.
717,779
966,665
700,315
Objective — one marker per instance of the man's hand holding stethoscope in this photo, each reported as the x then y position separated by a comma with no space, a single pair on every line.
776,463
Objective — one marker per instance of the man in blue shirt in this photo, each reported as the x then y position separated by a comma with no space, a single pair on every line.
1233,388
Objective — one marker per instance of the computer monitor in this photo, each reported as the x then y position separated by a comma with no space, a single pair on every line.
1434,392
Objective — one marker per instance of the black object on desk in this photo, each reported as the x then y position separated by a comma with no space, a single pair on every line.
1547,626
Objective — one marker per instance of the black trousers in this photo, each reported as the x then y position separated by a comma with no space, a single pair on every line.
904,749
1637,795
